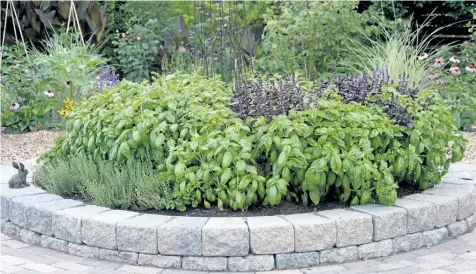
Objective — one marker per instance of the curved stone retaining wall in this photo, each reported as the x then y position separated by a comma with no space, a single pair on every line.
240,244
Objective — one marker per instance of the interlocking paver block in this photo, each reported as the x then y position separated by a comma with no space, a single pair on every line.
181,236
225,237
162,261
83,250
39,215
66,224
118,256
139,234
446,208
42,268
465,196
435,236
204,263
407,242
421,216
375,249
100,229
339,255
270,235
53,243
71,266
297,260
311,232
7,194
18,207
353,228
388,221
251,263
457,229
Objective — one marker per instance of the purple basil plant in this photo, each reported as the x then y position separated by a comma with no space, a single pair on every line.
106,78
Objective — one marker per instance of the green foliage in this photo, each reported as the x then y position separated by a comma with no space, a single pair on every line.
196,143
132,184
308,36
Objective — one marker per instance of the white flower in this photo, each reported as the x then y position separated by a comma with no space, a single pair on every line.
439,62
454,59
14,106
2,53
471,68
455,70
433,75
26,70
422,56
48,93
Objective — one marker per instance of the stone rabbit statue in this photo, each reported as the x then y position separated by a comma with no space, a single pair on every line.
19,180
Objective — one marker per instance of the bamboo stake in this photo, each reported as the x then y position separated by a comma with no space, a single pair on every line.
21,34
5,26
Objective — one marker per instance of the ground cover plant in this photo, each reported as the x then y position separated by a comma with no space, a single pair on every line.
314,147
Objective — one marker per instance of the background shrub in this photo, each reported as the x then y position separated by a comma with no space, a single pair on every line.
183,123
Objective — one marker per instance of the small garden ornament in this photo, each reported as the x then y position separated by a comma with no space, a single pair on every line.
19,180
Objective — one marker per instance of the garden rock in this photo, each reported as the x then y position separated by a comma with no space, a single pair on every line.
471,221
12,230
435,236
204,263
139,234
181,236
40,215
251,263
8,194
465,196
446,207
66,224
30,237
375,249
100,229
18,206
339,255
118,256
353,228
270,235
53,243
388,221
457,228
297,260
160,261
421,216
225,237
311,232
83,250
407,242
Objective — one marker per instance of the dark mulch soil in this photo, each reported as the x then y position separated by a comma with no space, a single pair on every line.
285,208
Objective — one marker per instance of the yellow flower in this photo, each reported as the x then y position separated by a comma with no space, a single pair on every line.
63,112
68,104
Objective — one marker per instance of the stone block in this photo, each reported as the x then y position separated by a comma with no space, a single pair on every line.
457,229
225,237
3,222
100,229
18,207
270,235
66,224
83,250
465,196
311,232
421,216
53,243
118,256
375,249
297,260
160,261
39,215
251,263
407,242
204,263
461,167
139,234
458,175
339,255
12,230
29,237
7,194
435,236
388,221
471,222
353,228
181,236
446,208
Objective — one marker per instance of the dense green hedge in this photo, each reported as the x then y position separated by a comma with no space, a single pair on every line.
184,125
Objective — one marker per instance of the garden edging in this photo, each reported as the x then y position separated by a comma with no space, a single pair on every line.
243,244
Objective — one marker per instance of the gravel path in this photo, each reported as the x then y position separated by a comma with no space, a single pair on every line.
21,147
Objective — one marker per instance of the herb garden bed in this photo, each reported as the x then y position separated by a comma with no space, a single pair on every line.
244,244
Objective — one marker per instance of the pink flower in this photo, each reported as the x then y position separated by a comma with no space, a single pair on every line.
3,54
16,65
433,75
439,82
1,76
455,70
471,68
14,106
439,62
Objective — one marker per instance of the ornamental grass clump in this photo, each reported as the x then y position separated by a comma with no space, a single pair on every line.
209,155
